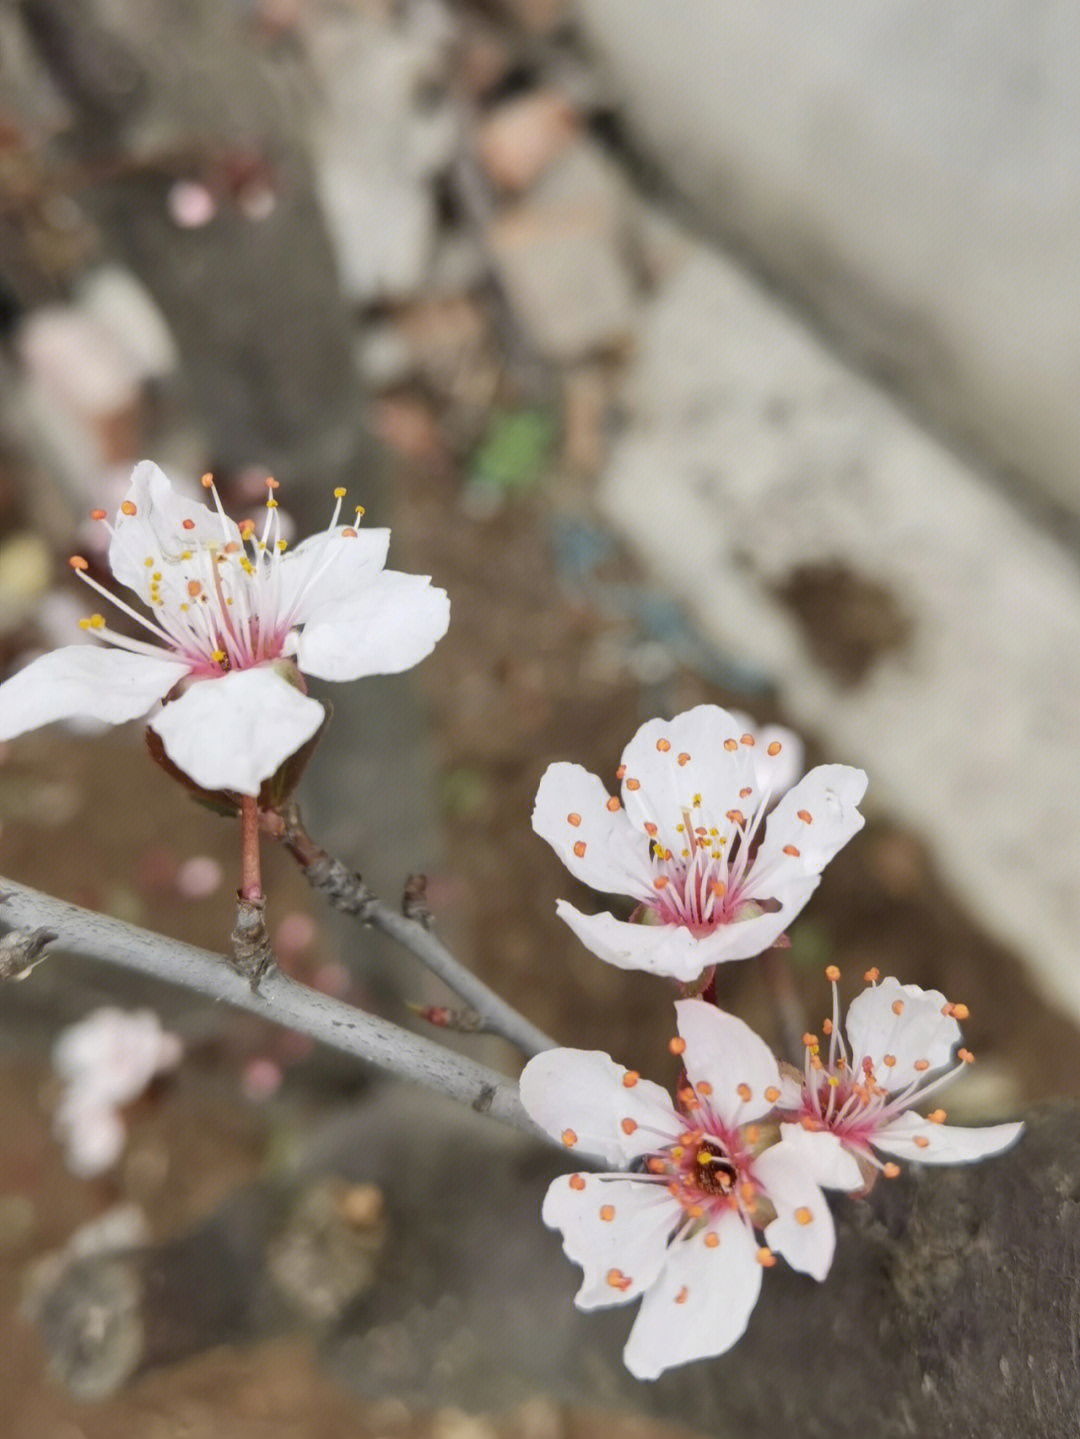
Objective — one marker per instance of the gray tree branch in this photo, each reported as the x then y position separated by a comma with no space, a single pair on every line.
279,999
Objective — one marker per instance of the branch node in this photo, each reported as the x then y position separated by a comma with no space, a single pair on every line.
342,887
414,901
20,951
251,952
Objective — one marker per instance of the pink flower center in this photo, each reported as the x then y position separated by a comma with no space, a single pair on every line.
707,882
219,604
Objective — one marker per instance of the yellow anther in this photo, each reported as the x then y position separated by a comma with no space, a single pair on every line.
360,512
340,492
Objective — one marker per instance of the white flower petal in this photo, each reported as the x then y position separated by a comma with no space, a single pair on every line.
919,1033
808,826
85,682
803,1230
821,1154
155,531
701,1303
725,1053
234,732
387,627
912,1137
580,1096
778,771
598,845
666,949
682,763
329,569
617,1228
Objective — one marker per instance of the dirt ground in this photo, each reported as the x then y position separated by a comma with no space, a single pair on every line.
545,660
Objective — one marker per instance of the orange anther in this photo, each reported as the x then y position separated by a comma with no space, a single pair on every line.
650,828
607,1213
747,1190
628,1125
128,508
618,1280
765,1257
966,1055
574,819
704,1088
826,1026
348,533
960,1011
655,1165
97,514
743,1091
660,882
736,816
718,889
774,748
614,803
921,1065
810,1040
936,1116
890,1170
695,1211
803,1215
78,563
273,485
576,1182
745,793
872,975
832,973
620,771
712,1239
630,1078
920,1141
633,784
194,587
791,850
752,1133
730,744
681,1297
684,758
889,1061
897,1006
188,524
748,739
663,745
772,1094
677,1045
579,849
569,1138
804,815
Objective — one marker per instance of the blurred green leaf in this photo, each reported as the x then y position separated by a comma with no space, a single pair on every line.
514,450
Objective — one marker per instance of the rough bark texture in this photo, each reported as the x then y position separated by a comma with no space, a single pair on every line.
952,1308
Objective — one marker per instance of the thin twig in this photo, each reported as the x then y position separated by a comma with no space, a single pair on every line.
279,999
347,891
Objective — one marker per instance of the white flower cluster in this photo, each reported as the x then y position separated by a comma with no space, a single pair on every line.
719,849
713,837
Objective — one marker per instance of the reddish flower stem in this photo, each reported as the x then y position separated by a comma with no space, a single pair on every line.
250,870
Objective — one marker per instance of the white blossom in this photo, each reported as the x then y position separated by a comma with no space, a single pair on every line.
899,1050
106,1061
674,1222
716,873
231,621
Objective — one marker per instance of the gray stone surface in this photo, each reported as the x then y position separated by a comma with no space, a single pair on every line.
909,615
910,169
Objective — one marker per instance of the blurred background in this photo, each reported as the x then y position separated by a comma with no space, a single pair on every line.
732,358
